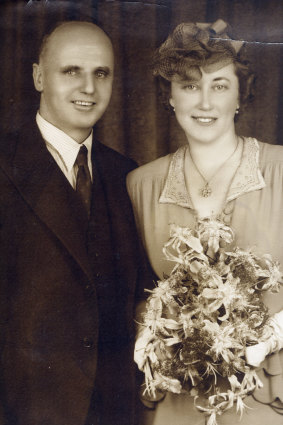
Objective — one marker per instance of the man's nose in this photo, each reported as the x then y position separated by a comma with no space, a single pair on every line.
88,84
205,100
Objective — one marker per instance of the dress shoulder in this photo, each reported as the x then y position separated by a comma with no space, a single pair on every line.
270,153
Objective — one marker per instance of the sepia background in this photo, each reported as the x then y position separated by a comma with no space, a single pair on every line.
136,124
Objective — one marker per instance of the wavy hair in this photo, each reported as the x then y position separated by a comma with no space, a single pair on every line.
192,47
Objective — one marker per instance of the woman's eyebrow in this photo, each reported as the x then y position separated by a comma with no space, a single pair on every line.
221,78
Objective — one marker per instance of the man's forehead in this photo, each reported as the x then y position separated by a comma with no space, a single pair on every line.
81,50
80,41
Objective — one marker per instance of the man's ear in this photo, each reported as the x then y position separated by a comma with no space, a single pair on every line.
37,77
171,101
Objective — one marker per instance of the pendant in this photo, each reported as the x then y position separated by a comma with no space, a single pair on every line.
206,191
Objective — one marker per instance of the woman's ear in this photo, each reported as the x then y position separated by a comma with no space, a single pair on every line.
37,77
237,108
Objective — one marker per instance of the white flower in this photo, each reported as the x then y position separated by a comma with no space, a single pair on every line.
271,277
223,340
167,384
224,294
213,233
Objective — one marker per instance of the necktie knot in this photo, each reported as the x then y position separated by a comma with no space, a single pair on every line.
82,157
83,184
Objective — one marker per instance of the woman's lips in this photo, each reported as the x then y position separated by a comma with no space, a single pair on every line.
204,120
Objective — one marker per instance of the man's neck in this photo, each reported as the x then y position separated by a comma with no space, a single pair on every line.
78,136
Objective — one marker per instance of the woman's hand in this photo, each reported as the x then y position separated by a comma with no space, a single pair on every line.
255,354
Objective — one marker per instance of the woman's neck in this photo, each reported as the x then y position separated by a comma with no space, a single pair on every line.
210,155
209,171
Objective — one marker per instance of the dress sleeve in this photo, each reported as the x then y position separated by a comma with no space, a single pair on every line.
147,277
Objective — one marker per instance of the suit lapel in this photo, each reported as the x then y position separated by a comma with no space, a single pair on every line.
44,187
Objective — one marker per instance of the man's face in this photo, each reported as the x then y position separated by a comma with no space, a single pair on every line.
75,76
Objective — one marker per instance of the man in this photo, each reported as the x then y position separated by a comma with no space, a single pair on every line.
69,255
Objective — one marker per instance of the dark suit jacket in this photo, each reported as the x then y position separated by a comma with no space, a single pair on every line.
67,290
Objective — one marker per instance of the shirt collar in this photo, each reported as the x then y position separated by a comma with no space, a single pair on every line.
66,147
247,178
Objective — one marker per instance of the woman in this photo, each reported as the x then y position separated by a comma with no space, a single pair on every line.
216,174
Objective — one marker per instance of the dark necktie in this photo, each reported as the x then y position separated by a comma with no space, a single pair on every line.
83,185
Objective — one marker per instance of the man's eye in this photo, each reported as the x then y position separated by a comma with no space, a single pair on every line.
101,74
71,72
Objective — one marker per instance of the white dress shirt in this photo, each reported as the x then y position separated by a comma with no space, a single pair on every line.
63,148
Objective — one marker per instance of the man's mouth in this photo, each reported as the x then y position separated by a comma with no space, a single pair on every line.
83,103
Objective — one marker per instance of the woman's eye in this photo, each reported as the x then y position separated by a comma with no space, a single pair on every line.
191,87
220,87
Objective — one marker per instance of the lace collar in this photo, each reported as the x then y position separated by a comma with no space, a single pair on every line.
247,178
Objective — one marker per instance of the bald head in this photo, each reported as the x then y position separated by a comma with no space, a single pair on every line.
72,28
74,76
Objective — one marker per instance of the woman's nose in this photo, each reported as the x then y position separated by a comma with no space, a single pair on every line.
205,100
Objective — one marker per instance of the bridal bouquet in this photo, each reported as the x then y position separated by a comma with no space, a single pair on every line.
199,319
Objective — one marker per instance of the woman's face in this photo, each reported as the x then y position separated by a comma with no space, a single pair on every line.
205,109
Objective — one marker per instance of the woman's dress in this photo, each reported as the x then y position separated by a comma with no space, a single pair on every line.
254,210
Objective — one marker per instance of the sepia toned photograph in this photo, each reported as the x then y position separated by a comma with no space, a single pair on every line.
141,211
